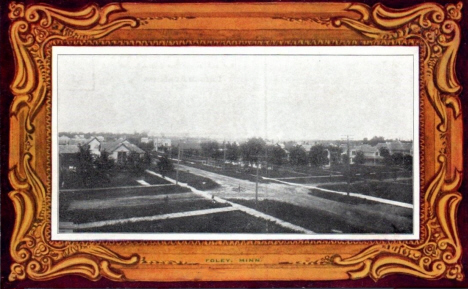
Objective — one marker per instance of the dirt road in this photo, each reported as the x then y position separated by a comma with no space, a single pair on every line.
384,218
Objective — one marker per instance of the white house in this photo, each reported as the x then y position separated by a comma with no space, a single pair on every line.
120,150
63,140
162,142
371,154
94,146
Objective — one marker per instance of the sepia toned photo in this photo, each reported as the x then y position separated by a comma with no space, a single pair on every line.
186,143
234,142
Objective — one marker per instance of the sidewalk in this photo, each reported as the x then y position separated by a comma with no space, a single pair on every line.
70,226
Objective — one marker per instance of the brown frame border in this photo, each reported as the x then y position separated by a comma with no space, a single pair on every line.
36,27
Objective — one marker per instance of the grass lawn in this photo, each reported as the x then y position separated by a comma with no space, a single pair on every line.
115,179
198,182
396,191
66,198
109,193
317,221
168,206
154,180
315,180
226,222
312,171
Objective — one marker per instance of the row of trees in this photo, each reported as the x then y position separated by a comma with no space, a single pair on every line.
396,159
256,149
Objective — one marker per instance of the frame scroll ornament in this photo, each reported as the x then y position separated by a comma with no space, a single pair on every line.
439,255
35,255
35,28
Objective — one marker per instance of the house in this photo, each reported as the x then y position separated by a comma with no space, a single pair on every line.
120,150
94,146
405,148
306,147
68,156
93,143
162,142
371,153
397,146
63,140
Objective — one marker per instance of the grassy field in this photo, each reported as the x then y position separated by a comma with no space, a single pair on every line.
198,182
154,180
115,179
317,221
397,191
227,222
315,180
165,206
109,193
66,198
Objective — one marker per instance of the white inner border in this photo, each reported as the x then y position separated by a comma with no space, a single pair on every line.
297,50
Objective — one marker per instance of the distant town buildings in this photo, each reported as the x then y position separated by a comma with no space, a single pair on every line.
119,148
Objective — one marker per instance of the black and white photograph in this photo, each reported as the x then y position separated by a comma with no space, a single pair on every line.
244,143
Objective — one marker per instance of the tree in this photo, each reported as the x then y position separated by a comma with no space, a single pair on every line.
232,152
85,168
408,162
375,140
211,149
335,155
397,159
135,164
252,150
359,159
165,165
147,160
298,156
104,165
345,159
318,156
276,155
146,146
385,153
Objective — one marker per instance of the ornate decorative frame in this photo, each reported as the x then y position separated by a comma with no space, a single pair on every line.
36,28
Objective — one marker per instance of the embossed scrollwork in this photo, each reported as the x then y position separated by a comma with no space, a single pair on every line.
33,30
436,26
31,249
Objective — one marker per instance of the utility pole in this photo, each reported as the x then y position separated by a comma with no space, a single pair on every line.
348,164
224,151
178,164
256,189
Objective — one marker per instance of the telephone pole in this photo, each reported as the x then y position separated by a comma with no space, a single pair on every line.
178,164
224,151
348,163
256,189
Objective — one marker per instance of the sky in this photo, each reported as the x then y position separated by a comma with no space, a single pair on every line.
279,97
